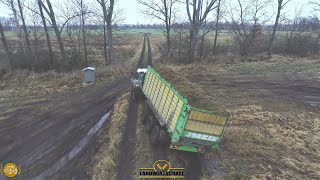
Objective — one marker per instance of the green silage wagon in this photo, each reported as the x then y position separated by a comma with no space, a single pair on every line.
168,114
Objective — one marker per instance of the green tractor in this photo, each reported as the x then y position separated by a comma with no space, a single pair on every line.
137,83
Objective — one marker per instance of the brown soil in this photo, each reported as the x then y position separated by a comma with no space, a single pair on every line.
35,137
126,158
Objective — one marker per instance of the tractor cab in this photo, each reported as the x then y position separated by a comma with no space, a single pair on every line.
137,83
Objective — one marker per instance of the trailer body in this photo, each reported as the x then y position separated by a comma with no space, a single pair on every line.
190,129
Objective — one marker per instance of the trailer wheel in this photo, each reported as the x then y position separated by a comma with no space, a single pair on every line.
133,95
149,124
155,135
163,137
146,112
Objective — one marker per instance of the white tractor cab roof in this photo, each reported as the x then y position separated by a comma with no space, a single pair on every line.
143,70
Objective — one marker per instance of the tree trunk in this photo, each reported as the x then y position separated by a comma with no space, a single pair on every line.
24,27
5,45
180,42
275,27
47,33
168,41
17,24
109,32
105,43
217,28
84,40
108,19
36,42
193,43
50,12
168,26
201,44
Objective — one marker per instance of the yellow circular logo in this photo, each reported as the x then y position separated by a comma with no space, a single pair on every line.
161,166
10,169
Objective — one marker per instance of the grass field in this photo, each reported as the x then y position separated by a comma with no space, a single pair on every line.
273,131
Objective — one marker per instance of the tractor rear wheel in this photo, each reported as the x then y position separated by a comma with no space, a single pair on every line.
133,95
155,135
146,112
163,137
149,123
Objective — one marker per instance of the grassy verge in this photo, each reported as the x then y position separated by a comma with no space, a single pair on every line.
274,68
106,166
194,93
28,83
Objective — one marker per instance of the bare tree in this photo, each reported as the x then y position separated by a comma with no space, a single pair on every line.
164,11
5,45
247,19
281,4
107,9
47,33
83,11
216,27
199,13
50,13
24,27
11,5
206,28
315,5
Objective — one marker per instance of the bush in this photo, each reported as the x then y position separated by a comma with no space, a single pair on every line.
253,43
299,45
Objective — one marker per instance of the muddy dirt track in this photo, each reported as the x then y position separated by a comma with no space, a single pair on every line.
37,142
190,161
271,94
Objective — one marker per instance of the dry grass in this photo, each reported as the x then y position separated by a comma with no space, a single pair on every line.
266,138
276,67
262,144
106,167
26,83
196,96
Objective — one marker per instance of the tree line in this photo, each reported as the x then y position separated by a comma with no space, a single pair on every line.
253,24
42,19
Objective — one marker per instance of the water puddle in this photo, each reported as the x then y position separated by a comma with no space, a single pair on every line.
75,150
312,101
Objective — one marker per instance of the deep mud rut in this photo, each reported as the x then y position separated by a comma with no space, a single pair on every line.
190,161
126,156
37,142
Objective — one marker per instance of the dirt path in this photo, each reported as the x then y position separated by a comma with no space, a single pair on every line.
126,158
125,165
272,94
37,142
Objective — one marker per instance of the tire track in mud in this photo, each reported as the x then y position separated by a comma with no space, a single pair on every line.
192,162
150,63
40,141
127,146
126,156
